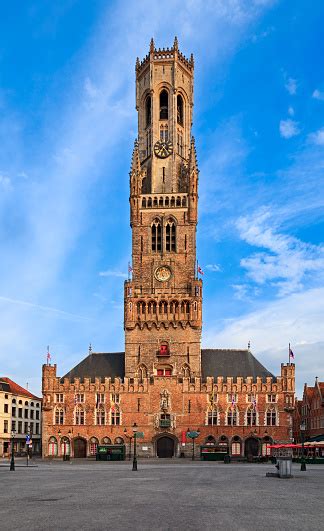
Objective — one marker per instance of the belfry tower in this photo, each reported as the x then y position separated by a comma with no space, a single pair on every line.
163,301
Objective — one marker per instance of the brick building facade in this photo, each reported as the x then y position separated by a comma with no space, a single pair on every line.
164,381
310,411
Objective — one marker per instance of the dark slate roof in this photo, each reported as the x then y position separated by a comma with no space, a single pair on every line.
99,365
215,362
232,363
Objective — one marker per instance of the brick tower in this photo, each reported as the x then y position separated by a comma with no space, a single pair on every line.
163,300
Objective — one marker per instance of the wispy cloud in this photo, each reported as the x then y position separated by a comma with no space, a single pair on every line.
288,128
286,262
296,319
291,86
5,182
58,312
110,273
215,268
317,137
291,111
318,95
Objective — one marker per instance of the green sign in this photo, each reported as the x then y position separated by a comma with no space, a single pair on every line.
193,434
139,435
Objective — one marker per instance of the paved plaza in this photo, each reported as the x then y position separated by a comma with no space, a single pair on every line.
162,494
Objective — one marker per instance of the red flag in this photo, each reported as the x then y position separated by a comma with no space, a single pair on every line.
200,271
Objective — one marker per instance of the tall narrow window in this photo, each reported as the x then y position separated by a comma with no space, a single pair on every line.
156,236
271,417
179,109
164,133
164,105
180,144
251,418
170,236
148,111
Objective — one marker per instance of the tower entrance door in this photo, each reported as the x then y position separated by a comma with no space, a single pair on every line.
165,447
251,447
80,447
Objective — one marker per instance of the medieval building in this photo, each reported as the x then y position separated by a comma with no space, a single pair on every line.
164,381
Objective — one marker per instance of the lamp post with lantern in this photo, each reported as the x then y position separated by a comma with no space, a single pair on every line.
302,434
12,460
130,443
135,456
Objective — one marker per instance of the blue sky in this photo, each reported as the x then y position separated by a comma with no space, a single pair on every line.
67,127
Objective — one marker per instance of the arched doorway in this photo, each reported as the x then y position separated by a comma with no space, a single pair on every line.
165,447
80,447
251,447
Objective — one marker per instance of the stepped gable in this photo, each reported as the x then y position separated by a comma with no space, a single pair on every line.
99,365
232,363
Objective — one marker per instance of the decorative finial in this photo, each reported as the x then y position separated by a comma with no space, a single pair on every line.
90,348
175,44
138,64
192,59
152,46
249,345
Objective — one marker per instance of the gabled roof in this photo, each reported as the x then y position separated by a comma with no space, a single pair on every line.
215,362
16,389
99,365
232,363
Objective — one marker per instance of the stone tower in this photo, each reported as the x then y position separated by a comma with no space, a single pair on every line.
163,301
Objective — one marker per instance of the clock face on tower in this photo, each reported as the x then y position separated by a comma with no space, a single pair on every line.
163,273
163,149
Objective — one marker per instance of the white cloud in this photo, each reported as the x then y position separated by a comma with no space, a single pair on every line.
110,273
213,267
317,137
286,262
318,95
291,111
295,319
5,182
288,128
291,86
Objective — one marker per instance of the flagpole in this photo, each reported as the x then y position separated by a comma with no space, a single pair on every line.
289,354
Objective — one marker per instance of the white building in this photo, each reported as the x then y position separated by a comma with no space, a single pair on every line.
20,415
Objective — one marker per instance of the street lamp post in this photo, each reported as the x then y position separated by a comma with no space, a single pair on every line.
193,435
135,457
12,460
130,443
302,433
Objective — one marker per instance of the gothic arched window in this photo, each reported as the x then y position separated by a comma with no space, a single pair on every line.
100,416
148,111
251,416
156,236
170,236
164,105
212,417
232,416
79,416
59,415
271,417
179,109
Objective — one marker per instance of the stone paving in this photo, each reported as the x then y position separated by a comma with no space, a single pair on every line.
162,494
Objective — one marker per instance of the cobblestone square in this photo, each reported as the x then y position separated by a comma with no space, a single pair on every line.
162,494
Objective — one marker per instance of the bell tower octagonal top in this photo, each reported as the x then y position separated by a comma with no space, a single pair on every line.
164,101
